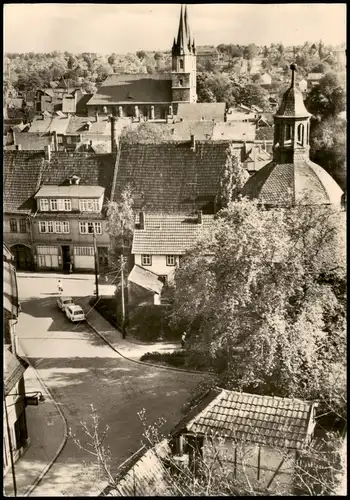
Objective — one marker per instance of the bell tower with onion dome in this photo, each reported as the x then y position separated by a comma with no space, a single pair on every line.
184,60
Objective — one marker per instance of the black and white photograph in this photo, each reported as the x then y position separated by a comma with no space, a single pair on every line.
174,250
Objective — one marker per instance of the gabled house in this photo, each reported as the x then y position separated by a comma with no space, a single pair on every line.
265,80
53,205
159,241
258,437
144,287
240,113
313,79
207,53
87,131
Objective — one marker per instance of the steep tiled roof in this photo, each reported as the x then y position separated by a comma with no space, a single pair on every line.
14,368
145,475
129,89
25,171
170,177
234,131
142,277
272,421
280,184
204,110
168,234
50,124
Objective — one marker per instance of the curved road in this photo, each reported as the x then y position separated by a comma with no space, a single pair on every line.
80,370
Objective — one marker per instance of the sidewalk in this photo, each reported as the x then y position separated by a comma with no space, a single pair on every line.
129,349
46,431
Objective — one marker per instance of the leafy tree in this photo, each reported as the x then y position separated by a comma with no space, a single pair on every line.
72,62
266,52
328,147
250,51
328,98
267,310
146,132
141,54
233,178
253,95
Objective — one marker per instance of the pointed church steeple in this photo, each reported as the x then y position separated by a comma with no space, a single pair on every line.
183,43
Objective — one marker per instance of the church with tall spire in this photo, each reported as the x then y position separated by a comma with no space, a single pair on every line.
153,96
184,62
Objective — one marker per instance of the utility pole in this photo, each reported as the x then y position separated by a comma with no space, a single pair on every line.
123,294
96,264
11,451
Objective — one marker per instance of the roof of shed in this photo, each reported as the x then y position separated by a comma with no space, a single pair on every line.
168,234
146,279
50,124
272,421
78,125
133,89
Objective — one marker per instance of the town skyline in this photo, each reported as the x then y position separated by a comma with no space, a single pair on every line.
211,25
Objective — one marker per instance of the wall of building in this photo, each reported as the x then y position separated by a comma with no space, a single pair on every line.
128,110
16,412
243,459
159,265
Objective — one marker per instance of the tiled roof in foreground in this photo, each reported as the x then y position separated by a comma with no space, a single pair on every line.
168,234
271,421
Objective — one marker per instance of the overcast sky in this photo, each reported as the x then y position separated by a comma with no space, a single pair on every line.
120,28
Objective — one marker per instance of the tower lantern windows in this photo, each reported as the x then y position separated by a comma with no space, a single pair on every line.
301,132
181,63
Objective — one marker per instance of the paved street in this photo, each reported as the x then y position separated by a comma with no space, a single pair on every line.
80,369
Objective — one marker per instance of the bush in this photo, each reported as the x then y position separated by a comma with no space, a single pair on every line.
176,358
149,323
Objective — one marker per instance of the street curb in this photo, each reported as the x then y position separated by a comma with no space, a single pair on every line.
143,362
64,440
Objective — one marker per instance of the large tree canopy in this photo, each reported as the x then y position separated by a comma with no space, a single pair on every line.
266,309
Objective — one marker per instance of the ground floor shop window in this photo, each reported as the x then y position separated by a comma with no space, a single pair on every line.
47,256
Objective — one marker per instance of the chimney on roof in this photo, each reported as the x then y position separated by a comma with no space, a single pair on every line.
97,117
199,217
152,113
142,220
55,142
48,153
88,125
18,147
193,142
113,133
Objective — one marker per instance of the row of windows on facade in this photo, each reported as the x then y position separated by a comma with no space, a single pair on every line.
81,251
63,227
65,205
18,226
146,260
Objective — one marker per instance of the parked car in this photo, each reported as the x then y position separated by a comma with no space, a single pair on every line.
75,313
63,302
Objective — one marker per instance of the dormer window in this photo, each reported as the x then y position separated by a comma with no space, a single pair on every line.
61,205
44,205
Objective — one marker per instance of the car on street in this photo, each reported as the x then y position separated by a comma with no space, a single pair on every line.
63,302
75,313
